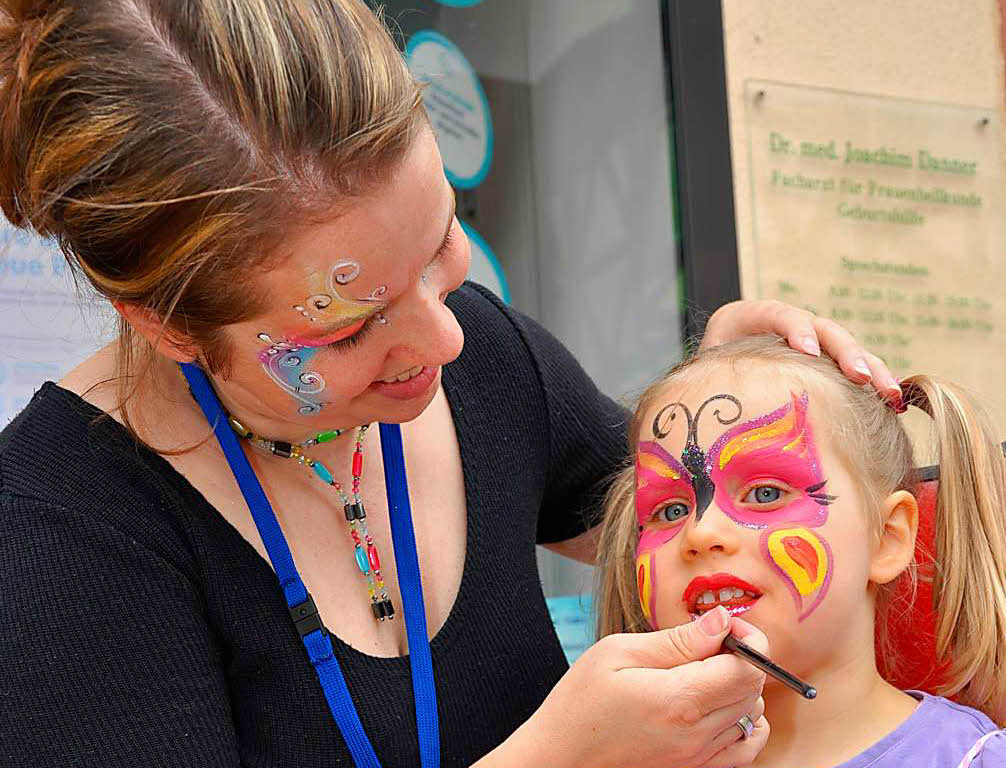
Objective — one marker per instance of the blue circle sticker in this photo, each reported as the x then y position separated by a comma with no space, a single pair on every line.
457,106
485,269
459,3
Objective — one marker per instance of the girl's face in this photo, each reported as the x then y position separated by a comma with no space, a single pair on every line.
741,501
356,328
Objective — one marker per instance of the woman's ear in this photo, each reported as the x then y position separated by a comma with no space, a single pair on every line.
149,326
896,548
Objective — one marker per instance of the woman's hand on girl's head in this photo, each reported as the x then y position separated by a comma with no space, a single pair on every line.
804,331
655,699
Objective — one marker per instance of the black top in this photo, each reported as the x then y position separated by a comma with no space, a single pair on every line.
138,628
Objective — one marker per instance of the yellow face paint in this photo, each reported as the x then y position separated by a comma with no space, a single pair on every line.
645,578
327,305
804,561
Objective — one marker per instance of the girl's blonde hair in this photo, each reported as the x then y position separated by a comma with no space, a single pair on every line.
970,577
167,146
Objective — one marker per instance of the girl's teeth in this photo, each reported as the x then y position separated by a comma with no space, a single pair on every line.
724,595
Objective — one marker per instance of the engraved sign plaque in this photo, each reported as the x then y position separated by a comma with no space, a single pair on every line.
884,215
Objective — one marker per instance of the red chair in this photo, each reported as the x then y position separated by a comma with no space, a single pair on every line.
911,624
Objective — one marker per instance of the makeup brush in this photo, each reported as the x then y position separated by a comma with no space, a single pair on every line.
769,667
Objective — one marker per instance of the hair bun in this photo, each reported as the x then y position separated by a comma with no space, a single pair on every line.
23,26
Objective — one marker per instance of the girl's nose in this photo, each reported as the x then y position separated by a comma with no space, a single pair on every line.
714,533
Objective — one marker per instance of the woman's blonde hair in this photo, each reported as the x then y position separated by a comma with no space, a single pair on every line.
970,540
167,145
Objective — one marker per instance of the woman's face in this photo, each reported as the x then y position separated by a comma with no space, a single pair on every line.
356,329
741,501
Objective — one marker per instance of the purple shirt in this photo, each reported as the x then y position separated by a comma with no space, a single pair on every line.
938,734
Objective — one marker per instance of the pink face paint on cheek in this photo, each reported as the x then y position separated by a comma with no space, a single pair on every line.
803,560
659,477
780,446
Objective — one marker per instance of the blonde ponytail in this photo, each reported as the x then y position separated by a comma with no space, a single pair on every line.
970,542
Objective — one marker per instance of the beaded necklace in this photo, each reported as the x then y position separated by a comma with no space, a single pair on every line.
368,560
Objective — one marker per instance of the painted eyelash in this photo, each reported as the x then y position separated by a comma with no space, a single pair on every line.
814,491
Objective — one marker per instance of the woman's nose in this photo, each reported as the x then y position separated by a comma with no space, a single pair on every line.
714,533
427,328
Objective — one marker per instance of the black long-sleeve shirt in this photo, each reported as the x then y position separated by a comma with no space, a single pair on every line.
138,628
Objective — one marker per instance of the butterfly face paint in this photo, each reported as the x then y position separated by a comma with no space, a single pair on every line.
660,481
777,446
661,484
646,584
803,560
774,454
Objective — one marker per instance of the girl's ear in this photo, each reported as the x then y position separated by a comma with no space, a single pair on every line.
149,326
896,547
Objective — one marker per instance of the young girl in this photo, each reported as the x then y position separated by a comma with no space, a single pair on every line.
765,482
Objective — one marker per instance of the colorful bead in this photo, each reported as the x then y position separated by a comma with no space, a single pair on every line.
388,609
282,448
238,427
367,559
322,472
361,560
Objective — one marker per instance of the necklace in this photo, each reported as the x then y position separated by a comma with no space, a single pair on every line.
303,612
367,559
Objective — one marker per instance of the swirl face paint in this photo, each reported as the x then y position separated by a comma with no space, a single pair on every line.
286,361
776,452
327,305
286,364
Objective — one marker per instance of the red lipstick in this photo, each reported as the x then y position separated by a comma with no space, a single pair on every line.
706,592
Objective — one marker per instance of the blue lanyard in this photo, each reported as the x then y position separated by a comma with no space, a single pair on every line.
302,609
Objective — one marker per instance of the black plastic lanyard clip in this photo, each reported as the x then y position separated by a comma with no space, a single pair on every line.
306,618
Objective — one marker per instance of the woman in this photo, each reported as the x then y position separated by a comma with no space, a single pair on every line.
256,189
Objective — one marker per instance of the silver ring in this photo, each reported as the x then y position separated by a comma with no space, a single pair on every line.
747,726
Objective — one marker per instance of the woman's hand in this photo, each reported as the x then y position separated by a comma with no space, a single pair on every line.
654,699
805,332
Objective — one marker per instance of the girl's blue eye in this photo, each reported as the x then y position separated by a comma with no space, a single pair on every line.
763,494
672,513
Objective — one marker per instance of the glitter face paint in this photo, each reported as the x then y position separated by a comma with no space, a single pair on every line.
778,446
659,478
286,364
693,457
327,305
286,361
